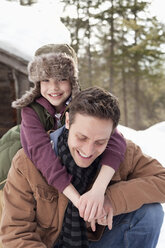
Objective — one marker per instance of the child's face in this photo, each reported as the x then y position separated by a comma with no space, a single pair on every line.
56,92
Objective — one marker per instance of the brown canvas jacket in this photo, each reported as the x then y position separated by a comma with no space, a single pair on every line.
33,211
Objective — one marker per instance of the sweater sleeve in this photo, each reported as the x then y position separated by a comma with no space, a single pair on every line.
115,150
37,146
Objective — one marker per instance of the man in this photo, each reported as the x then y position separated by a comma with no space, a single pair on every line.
37,215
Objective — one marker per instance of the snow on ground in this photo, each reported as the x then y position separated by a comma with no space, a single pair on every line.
24,29
152,143
151,140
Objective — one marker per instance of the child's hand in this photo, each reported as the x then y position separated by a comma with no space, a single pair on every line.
90,205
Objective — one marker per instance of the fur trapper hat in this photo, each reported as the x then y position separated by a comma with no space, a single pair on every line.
57,61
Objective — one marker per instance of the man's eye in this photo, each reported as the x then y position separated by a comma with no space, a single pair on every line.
82,138
100,143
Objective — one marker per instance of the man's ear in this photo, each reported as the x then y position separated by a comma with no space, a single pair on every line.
67,120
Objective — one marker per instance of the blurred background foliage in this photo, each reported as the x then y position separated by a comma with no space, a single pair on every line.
121,48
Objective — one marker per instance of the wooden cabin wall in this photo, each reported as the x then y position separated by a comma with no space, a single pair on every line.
12,85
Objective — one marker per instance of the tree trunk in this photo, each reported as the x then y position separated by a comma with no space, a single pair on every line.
137,81
89,47
124,90
111,59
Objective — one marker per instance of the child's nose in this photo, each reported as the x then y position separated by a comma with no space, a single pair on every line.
55,84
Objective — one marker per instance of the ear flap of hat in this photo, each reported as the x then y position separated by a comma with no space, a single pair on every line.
28,97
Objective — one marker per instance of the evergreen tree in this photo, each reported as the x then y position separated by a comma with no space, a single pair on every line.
119,48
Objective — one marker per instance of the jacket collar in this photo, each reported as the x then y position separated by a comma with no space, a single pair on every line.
46,104
50,108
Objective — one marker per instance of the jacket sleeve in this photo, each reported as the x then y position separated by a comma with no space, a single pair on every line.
143,183
18,225
36,143
115,150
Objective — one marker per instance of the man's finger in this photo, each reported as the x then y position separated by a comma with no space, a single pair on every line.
110,219
93,225
103,221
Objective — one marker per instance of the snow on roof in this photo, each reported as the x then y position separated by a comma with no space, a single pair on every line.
24,29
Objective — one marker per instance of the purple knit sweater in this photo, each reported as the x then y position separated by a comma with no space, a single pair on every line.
36,143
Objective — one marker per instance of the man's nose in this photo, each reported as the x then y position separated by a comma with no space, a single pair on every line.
88,149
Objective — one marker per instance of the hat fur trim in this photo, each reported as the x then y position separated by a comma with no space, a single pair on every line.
52,65
28,97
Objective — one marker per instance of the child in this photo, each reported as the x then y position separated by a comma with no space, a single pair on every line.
54,73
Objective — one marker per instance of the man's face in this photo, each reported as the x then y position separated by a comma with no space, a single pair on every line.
88,138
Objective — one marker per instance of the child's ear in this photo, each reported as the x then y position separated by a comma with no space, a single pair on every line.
67,120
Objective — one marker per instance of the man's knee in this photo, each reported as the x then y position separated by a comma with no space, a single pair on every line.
153,214
145,226
150,216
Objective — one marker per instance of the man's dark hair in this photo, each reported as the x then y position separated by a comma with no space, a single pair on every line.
96,102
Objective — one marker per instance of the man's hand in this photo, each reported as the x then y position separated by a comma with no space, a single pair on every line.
90,205
106,218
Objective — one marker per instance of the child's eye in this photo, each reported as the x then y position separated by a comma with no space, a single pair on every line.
45,80
64,79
